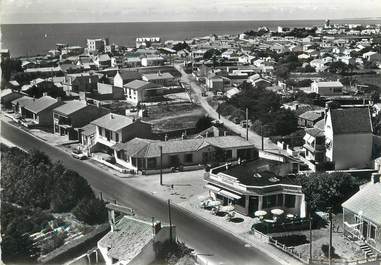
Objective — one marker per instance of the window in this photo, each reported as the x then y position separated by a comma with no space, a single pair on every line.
188,158
107,134
100,131
116,137
228,154
151,163
289,201
279,200
269,201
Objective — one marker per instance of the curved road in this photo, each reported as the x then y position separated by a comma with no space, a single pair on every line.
216,245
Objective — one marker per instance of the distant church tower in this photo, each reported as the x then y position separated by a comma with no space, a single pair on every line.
327,23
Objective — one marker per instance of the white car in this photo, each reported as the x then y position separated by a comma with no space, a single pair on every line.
78,154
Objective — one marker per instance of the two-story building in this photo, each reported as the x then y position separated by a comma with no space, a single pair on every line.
254,186
314,148
123,77
138,91
83,82
72,115
163,79
112,128
348,137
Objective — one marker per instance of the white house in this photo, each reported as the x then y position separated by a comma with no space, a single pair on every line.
348,137
330,88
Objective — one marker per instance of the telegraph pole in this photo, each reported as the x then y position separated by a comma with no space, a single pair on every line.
170,221
330,236
247,124
262,136
161,165
309,214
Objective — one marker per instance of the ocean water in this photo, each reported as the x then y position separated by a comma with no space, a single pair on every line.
33,39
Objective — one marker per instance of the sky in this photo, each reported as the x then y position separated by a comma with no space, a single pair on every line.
72,11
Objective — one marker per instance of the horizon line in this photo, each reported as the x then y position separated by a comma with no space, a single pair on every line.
190,21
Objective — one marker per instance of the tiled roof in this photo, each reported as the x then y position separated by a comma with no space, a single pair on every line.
128,239
113,122
150,148
351,120
130,75
367,202
330,84
40,104
139,84
315,132
22,101
311,115
88,129
158,76
230,141
70,107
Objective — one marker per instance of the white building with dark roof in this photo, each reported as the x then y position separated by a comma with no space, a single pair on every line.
348,137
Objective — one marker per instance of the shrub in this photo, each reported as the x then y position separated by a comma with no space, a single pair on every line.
91,211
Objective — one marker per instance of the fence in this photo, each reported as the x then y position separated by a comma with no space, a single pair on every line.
347,262
289,250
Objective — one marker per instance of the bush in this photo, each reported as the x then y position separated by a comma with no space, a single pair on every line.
91,211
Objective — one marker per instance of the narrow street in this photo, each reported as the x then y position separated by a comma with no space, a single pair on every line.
217,245
197,92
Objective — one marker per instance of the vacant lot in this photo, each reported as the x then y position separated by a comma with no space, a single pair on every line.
167,110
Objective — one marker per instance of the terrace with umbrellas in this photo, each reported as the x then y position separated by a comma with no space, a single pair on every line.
263,189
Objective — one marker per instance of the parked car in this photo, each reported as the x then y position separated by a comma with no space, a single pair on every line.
78,154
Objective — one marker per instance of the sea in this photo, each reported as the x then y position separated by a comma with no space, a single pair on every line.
37,39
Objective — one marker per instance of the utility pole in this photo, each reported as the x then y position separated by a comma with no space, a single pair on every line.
330,236
262,136
161,165
170,221
247,124
310,217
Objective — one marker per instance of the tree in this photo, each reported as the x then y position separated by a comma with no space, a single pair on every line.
91,211
209,54
203,123
323,190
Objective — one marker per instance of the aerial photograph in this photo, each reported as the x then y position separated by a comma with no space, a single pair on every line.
190,132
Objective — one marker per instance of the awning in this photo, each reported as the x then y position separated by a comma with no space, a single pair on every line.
229,194
212,188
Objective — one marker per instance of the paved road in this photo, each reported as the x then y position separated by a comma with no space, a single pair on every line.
220,246
253,137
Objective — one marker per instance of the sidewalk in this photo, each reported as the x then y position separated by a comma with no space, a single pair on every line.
187,193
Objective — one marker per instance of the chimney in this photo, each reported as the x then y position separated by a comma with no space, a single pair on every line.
166,137
206,135
111,116
44,94
182,136
376,178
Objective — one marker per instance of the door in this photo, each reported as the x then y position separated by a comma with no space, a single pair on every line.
253,205
365,230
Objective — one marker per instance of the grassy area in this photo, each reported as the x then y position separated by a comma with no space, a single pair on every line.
166,111
369,79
